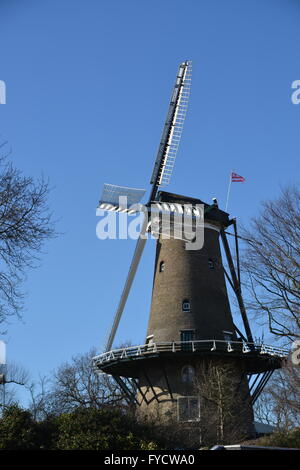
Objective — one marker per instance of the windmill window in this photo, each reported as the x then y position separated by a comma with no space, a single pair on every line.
186,338
188,409
187,374
186,305
211,264
161,266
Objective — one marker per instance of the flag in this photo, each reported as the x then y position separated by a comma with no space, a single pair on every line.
235,178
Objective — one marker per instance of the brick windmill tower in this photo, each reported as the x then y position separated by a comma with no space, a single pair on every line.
194,354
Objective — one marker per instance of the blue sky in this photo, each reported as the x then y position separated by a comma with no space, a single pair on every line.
88,85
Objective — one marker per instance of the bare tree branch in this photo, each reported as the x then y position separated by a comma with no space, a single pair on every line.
74,384
25,224
271,264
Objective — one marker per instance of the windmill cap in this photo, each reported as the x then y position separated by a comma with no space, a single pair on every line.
212,211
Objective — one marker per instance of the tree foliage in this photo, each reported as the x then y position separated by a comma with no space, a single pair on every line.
18,431
89,428
289,439
82,429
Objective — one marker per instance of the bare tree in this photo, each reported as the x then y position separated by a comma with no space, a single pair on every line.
271,264
279,403
39,406
25,223
11,374
75,384
15,373
225,414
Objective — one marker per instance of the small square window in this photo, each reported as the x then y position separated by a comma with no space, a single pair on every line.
186,306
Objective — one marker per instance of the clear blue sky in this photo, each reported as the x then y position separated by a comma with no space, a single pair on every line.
88,84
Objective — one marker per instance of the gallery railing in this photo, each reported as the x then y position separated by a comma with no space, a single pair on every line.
189,346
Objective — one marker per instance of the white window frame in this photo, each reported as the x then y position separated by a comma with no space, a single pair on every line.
188,398
186,303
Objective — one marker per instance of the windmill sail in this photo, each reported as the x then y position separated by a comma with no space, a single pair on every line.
120,198
130,277
172,131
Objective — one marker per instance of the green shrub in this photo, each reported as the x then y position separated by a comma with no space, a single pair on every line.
82,429
282,439
18,430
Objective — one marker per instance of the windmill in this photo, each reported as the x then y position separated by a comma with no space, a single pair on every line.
190,323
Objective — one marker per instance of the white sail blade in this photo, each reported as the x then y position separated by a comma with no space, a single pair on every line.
120,199
111,194
130,277
172,131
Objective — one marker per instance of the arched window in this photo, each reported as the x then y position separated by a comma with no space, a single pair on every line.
211,264
187,374
186,305
161,266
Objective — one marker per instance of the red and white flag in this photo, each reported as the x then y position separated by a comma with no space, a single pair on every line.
235,178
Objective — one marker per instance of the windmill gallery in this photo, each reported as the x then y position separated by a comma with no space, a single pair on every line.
194,355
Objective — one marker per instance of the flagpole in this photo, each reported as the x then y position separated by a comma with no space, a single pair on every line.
228,191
